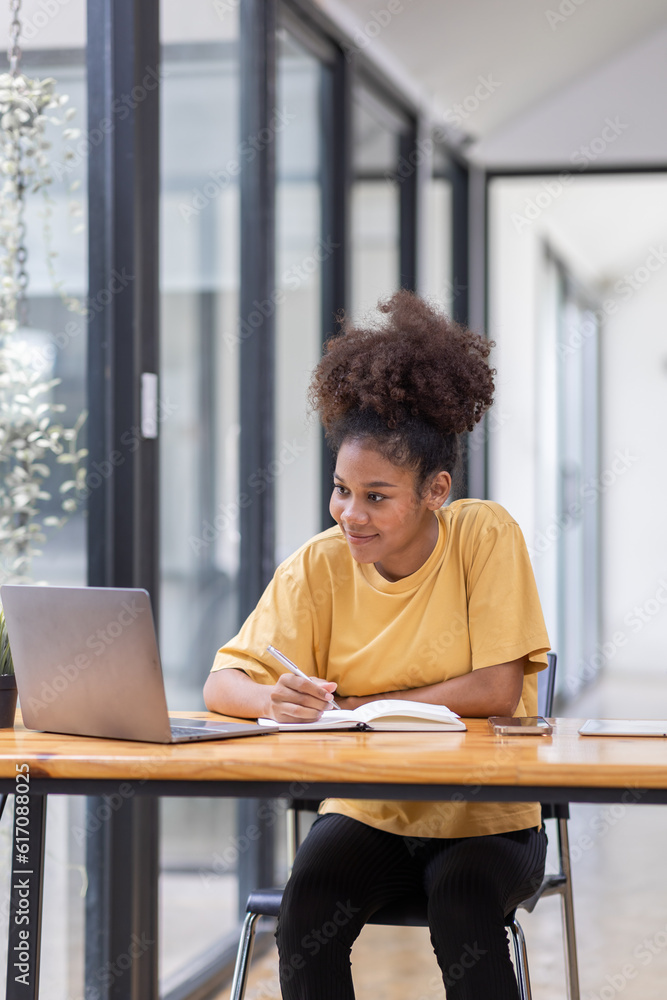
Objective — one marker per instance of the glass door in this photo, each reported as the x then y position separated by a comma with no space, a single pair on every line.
199,428
302,250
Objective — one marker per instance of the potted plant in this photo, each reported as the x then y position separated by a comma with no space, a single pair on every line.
7,678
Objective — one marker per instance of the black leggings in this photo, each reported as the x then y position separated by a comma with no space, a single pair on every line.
345,870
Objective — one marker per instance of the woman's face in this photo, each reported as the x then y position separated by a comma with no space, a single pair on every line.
379,512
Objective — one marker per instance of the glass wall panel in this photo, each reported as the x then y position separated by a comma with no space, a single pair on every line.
578,322
199,543
375,223
55,337
437,280
300,251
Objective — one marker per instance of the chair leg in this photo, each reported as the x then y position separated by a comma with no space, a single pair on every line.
567,904
292,821
243,956
521,960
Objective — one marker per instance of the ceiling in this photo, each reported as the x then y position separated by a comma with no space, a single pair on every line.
544,68
599,244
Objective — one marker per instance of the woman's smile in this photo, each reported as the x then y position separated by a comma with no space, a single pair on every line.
357,539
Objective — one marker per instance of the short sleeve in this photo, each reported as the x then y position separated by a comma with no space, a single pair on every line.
504,612
284,617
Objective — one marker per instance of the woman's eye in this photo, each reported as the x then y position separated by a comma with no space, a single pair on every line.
375,497
340,489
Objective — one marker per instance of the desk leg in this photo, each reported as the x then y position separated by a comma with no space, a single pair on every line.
25,903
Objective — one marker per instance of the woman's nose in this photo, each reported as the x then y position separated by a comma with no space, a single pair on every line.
354,515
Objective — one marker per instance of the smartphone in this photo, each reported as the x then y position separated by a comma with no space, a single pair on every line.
534,725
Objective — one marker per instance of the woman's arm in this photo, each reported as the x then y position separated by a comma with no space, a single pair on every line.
488,691
290,699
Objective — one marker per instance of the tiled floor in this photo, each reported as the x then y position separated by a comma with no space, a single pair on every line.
619,858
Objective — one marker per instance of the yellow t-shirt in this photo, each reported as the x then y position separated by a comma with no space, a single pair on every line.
472,604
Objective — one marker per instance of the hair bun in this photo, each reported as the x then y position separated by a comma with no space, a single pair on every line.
411,362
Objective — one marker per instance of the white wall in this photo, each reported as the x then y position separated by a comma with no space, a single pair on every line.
519,445
604,229
634,527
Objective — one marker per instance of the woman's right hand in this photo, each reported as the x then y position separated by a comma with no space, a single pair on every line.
300,699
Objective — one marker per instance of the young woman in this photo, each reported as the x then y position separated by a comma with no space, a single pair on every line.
404,598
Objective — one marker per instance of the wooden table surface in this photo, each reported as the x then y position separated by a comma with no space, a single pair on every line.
473,757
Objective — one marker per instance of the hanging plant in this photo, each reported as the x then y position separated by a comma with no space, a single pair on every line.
30,424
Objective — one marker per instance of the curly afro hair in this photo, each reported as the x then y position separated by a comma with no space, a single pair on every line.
411,382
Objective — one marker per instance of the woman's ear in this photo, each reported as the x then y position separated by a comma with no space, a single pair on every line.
439,490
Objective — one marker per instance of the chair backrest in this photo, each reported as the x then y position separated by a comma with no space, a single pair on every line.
546,686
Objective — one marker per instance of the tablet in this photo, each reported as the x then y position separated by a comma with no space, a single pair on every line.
624,727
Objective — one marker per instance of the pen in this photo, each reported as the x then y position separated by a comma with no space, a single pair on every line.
286,662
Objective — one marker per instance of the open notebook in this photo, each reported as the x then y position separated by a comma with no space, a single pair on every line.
384,716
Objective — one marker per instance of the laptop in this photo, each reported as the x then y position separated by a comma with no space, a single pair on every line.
87,664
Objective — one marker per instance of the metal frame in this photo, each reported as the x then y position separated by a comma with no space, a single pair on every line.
122,56
247,939
408,255
258,20
257,184
140,788
336,112
456,171
477,470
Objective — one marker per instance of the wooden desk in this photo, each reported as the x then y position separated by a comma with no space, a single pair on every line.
474,765
563,767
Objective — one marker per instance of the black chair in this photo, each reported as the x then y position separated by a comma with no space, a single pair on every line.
411,911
